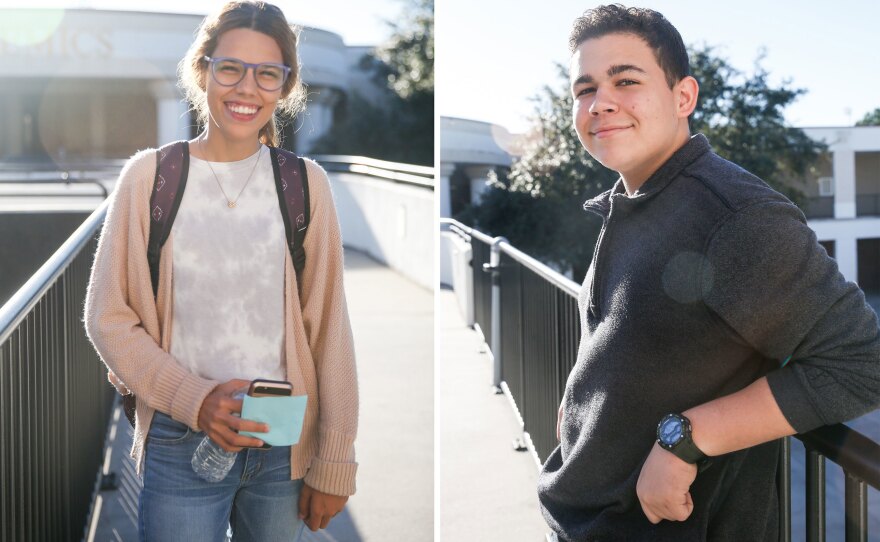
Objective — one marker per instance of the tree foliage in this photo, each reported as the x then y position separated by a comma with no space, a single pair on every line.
743,118
538,207
400,127
871,118
408,57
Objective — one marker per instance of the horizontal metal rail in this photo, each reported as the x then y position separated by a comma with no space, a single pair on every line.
454,225
856,453
19,189
424,171
21,303
420,176
550,275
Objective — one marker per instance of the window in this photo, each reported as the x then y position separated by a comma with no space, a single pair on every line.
826,186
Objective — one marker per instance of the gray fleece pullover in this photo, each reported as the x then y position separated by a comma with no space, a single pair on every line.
703,281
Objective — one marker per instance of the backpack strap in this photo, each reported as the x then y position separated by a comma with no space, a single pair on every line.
292,186
172,167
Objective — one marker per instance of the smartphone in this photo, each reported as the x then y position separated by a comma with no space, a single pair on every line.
269,388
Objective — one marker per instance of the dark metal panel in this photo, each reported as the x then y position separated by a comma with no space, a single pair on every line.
51,381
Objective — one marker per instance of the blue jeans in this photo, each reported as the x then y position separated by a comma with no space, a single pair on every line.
258,500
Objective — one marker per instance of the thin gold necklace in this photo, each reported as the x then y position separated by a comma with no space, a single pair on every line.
230,202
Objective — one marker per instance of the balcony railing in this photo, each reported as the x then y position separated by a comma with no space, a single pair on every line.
868,205
54,399
537,315
819,207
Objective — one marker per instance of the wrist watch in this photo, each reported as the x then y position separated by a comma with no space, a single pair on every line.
674,435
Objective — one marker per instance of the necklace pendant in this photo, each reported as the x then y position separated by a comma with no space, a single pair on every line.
230,204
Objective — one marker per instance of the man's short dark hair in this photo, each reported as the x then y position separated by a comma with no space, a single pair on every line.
647,24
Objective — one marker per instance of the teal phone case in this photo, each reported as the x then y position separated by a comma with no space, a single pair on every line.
283,414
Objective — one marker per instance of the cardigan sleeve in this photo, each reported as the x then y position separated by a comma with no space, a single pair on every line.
120,312
327,326
776,287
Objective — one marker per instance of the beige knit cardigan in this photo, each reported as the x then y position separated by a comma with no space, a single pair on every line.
132,332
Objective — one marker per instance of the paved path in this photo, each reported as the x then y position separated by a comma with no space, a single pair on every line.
487,489
393,326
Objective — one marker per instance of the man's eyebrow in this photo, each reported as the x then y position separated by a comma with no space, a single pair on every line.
586,79
620,68
582,80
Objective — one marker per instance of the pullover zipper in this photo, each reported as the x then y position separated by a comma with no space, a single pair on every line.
597,255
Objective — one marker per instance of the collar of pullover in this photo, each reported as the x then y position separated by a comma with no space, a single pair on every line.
696,146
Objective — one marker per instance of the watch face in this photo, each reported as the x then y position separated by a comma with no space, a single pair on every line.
670,431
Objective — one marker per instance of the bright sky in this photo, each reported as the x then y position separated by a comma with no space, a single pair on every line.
359,22
493,55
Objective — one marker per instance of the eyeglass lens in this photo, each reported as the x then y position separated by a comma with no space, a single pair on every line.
229,72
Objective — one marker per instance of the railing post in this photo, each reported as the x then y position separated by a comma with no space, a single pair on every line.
815,496
856,509
784,479
494,267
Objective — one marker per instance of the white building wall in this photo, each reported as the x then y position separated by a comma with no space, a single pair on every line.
102,46
392,222
477,146
846,228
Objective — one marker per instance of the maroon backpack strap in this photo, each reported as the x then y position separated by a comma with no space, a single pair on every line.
292,186
172,167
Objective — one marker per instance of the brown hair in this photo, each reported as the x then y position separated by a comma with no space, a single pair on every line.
647,24
255,15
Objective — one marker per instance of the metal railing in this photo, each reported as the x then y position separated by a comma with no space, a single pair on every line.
540,332
54,399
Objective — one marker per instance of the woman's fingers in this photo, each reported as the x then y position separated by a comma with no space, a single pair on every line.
240,425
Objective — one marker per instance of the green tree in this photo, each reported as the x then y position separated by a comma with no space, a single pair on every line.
400,127
538,207
743,118
871,118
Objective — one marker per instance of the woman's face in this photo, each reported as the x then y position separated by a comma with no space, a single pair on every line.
239,111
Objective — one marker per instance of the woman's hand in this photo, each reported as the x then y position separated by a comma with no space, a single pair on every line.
317,509
118,384
217,420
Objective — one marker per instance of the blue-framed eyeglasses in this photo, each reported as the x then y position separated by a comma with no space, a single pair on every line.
228,72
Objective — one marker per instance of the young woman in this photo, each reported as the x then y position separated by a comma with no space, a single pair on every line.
228,307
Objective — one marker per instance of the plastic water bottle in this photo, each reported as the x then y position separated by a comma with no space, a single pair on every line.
211,462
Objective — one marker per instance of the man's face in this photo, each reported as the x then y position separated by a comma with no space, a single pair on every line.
625,114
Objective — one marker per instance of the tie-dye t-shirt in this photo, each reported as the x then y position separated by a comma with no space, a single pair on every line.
228,272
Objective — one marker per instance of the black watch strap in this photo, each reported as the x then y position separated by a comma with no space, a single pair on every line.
684,448
688,451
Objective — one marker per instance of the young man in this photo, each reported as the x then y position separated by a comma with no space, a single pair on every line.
713,322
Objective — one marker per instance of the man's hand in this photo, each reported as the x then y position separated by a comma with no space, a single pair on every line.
317,509
664,486
217,418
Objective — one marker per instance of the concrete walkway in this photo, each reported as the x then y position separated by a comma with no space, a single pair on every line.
393,326
487,489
